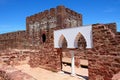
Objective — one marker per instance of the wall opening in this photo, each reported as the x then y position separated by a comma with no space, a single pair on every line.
43,38
80,41
62,42
80,45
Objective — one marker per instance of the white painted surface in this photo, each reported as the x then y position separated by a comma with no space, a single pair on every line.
72,63
70,36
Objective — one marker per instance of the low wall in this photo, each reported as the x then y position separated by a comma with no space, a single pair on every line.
47,57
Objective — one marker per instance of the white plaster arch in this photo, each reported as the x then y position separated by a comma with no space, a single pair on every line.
70,35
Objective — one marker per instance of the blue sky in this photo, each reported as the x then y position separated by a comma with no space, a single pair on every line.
14,12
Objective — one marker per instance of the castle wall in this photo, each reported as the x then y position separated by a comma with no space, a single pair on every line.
55,18
45,23
12,40
72,19
39,35
104,58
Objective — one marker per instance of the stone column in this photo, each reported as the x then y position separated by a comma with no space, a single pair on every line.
72,63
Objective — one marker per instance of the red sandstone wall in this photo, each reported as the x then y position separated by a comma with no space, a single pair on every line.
55,18
48,21
13,40
43,23
72,19
48,58
104,58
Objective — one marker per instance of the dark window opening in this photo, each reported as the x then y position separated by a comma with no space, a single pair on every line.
43,38
81,42
64,44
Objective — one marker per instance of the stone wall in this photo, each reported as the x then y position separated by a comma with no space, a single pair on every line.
104,58
39,36
13,40
15,56
40,29
55,18
48,58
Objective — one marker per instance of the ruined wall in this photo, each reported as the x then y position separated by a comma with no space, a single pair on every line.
55,18
104,58
15,56
49,59
40,29
12,40
72,19
39,35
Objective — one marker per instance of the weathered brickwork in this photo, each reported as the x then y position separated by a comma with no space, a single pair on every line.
48,59
49,20
103,58
14,56
40,29
13,40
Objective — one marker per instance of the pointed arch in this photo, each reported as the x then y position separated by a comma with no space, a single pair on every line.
80,41
62,42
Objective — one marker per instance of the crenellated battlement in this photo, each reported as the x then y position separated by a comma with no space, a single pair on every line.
61,14
47,21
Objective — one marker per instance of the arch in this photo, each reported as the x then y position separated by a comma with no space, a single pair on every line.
80,41
62,42
72,35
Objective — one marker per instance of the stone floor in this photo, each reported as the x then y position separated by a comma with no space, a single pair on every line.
42,74
80,72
